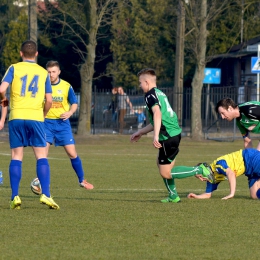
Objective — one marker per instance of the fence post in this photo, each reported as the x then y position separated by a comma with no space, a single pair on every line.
93,110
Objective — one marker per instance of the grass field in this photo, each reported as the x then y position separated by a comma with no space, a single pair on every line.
123,218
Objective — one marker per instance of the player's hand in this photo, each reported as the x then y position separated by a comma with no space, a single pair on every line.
230,196
4,102
192,196
66,115
156,143
135,137
1,125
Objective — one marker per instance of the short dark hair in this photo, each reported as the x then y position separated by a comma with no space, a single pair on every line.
52,63
29,49
147,71
225,103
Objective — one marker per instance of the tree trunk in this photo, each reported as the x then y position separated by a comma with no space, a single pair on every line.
197,81
86,74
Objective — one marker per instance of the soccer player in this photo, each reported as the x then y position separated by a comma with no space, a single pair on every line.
29,87
229,167
57,124
247,117
166,135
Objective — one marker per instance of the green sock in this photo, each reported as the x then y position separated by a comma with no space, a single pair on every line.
180,172
170,186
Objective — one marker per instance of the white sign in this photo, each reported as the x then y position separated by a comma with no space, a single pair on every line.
255,64
252,48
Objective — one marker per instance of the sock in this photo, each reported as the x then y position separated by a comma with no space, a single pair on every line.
170,186
15,175
180,172
43,174
77,166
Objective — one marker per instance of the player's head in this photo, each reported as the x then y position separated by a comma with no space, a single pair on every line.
28,50
147,79
53,68
227,109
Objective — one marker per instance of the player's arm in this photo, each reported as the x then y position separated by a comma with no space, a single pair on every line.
6,81
247,139
72,99
199,196
48,96
157,118
3,117
245,134
3,87
137,135
232,183
68,114
210,187
47,104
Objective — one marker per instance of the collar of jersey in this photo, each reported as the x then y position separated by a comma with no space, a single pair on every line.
56,83
31,61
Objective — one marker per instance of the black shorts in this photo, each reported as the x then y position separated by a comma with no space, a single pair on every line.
169,149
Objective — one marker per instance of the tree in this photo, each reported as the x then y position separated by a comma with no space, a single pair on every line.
8,12
14,39
80,23
143,36
207,20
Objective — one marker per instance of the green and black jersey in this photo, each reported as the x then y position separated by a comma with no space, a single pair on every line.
249,120
169,125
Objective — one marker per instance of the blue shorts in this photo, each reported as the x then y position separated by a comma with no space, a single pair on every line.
58,132
251,160
24,133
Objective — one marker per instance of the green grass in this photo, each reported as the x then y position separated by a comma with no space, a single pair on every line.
123,218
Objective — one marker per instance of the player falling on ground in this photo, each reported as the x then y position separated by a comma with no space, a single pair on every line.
166,136
57,125
229,167
29,86
247,116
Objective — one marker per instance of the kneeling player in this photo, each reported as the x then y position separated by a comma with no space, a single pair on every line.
229,167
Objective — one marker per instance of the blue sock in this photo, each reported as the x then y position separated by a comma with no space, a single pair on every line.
15,175
43,174
77,166
258,194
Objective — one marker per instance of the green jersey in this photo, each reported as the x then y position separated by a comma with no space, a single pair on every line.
249,120
169,125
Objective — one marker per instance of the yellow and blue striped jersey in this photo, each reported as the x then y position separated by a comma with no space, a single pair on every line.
62,97
234,161
29,83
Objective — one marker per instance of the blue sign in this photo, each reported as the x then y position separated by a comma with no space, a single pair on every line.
212,76
255,65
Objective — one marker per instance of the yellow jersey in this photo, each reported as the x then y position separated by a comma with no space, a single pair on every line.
29,82
234,161
62,97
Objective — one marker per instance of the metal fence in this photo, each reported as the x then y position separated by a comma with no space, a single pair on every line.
102,115
102,122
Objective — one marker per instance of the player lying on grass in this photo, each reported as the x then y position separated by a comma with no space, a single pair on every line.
229,167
